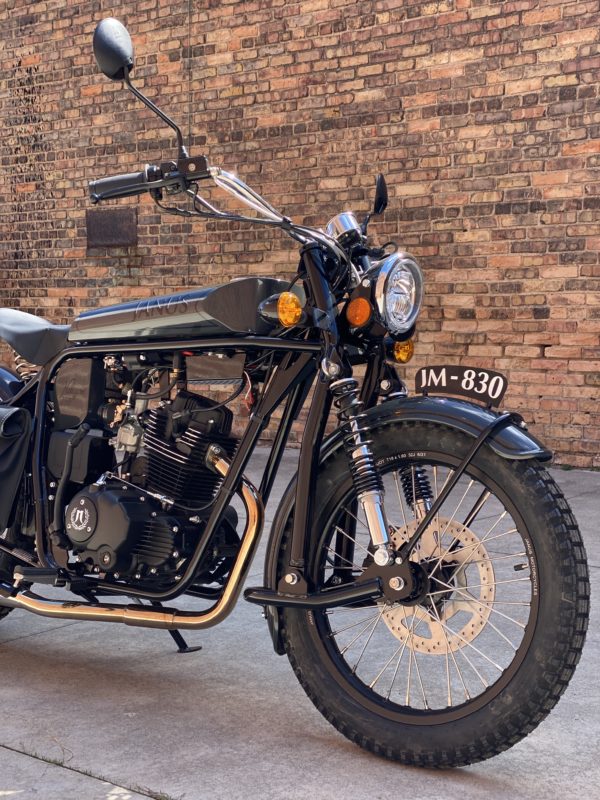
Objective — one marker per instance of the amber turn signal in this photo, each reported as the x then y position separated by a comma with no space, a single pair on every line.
289,309
404,351
358,312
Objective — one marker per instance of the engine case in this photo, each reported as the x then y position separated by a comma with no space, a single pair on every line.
121,530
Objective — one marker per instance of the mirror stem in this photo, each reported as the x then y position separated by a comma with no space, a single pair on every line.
183,153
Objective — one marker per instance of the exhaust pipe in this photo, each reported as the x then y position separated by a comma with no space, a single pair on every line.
165,618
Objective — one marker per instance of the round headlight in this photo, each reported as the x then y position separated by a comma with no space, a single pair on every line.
399,292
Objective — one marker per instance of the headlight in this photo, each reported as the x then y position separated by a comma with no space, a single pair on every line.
399,292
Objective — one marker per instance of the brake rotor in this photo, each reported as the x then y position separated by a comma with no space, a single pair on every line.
453,613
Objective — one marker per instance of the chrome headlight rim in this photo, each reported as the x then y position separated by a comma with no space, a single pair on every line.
393,262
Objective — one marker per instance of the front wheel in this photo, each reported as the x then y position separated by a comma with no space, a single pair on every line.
485,654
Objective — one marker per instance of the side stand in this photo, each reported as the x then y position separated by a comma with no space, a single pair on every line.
182,645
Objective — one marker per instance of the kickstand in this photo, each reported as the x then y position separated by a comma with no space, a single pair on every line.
182,645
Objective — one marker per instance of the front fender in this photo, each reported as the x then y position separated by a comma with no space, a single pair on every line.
512,442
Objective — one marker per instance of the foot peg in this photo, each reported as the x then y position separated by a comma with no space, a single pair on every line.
51,577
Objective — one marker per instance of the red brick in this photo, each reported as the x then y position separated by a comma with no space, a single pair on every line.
482,116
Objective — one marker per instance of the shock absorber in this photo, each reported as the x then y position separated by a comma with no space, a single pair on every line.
365,476
417,489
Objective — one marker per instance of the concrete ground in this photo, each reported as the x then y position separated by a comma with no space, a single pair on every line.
109,712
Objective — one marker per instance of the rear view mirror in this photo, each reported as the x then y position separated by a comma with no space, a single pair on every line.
381,195
380,204
113,49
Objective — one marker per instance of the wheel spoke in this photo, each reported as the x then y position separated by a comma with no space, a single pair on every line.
460,502
474,668
495,558
400,499
487,602
362,652
355,518
469,644
405,642
485,540
486,585
473,547
353,625
479,504
352,539
358,635
385,666
337,555
450,651
469,598
426,704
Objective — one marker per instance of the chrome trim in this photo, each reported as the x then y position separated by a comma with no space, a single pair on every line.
344,226
236,187
165,618
232,184
372,503
387,266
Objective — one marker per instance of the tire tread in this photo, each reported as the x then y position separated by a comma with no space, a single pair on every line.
568,637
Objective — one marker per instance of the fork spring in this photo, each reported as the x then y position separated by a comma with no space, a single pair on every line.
415,485
355,433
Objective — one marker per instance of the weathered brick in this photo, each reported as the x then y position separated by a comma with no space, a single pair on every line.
483,116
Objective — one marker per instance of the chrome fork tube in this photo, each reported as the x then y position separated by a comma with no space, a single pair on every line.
366,478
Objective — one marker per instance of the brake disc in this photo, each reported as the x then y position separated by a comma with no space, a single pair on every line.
461,591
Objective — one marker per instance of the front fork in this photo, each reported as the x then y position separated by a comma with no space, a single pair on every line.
365,475
345,394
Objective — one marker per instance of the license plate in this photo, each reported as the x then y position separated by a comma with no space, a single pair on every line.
484,385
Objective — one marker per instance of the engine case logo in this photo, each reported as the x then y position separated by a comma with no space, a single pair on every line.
82,518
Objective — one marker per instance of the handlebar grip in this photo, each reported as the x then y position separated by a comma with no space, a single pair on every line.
126,185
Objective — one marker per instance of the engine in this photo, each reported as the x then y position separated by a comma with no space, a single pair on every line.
177,439
142,519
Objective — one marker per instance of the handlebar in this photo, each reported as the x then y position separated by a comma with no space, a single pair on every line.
126,185
187,172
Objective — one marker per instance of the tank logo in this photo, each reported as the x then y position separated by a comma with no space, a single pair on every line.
162,307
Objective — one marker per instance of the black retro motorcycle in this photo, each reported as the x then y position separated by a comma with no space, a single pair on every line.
424,573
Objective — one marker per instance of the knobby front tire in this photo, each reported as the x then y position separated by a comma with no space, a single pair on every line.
482,659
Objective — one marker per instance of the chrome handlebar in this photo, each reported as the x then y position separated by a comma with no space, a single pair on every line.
269,215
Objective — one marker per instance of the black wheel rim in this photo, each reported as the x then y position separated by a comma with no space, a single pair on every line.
482,614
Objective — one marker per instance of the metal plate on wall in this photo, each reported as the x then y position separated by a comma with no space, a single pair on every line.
111,227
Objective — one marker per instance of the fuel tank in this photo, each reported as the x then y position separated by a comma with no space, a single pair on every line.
225,310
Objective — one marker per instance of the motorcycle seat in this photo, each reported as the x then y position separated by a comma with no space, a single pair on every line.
34,338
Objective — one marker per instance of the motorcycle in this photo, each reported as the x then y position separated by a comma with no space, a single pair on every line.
424,574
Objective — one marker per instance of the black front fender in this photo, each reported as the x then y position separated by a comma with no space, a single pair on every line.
512,442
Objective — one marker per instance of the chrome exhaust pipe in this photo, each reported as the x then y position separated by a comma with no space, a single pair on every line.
165,618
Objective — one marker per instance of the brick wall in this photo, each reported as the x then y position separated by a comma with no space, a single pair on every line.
484,116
